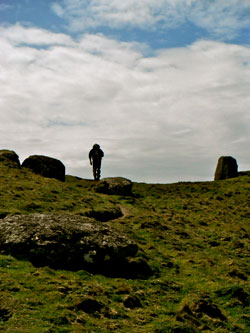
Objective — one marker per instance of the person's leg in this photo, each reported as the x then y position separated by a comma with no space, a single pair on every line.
94,169
97,169
98,173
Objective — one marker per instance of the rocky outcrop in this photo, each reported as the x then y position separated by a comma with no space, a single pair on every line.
115,186
226,168
9,158
64,241
45,166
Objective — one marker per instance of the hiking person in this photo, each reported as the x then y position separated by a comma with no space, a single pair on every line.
95,158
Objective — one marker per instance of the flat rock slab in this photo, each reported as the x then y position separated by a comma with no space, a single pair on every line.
64,241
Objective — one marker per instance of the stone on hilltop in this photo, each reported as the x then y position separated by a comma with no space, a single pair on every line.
115,186
64,241
9,158
45,166
226,168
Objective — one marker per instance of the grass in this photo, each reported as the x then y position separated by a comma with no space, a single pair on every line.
195,237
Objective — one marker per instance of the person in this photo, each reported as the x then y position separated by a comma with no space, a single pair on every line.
95,158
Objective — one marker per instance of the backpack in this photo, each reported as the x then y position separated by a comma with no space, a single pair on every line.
97,154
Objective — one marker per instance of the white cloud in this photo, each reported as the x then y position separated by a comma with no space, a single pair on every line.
17,34
221,18
164,118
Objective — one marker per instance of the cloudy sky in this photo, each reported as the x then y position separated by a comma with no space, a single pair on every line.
162,85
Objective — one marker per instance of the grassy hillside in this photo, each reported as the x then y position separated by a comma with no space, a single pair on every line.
195,237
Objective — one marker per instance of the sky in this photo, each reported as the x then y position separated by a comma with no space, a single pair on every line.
163,86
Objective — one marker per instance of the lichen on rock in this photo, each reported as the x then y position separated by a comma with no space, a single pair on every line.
65,241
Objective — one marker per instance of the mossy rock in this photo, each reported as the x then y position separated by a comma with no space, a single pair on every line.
9,158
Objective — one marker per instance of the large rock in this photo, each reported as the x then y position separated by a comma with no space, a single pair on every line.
226,168
114,185
65,241
45,166
9,158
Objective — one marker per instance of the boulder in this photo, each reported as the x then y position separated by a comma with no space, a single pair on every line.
115,186
9,158
45,166
226,168
64,241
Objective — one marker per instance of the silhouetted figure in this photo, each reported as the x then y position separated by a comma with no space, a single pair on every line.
95,158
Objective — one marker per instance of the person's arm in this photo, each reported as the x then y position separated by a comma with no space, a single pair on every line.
90,157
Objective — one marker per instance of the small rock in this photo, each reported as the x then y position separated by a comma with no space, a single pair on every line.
89,305
114,186
131,302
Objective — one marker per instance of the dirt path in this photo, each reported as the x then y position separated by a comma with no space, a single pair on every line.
125,211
